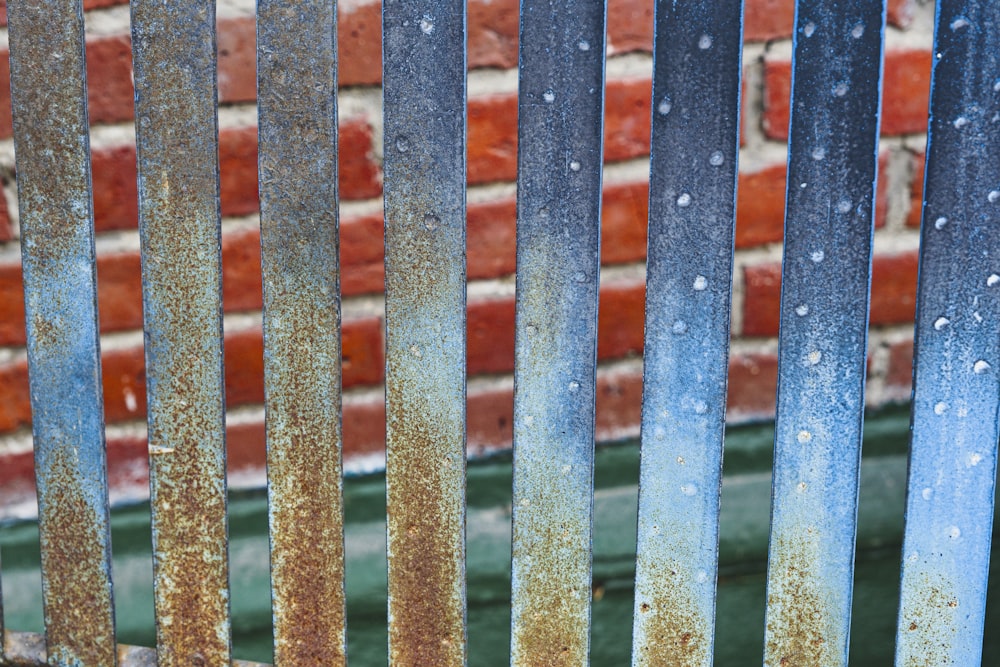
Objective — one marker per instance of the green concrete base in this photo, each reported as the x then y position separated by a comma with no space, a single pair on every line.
743,553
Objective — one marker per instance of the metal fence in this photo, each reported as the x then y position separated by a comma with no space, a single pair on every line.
824,313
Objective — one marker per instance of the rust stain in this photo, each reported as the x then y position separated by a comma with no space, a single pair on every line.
934,620
298,176
673,628
426,534
174,56
80,628
304,474
798,627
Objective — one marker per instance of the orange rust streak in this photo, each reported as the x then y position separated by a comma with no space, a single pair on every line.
304,473
426,574
74,571
673,628
798,627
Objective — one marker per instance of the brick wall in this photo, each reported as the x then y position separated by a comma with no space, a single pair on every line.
491,169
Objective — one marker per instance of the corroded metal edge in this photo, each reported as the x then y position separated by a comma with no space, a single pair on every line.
297,112
49,104
424,118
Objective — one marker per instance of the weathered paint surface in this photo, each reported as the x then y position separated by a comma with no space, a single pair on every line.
956,401
298,191
824,321
424,103
57,236
175,89
692,211
560,119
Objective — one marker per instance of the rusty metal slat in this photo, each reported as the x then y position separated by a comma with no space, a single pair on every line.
832,166
956,400
297,84
48,77
692,213
424,110
560,123
176,126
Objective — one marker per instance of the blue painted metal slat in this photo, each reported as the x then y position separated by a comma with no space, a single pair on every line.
424,112
692,214
297,86
956,400
560,156
829,218
176,127
49,99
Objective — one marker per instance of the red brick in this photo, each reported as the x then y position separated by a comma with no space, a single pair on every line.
125,380
630,26
621,320
115,191
624,221
893,297
362,255
760,213
760,210
15,404
490,331
492,33
619,404
359,43
237,66
114,174
491,230
11,305
906,87
899,377
492,130
490,239
765,20
894,288
492,138
489,420
752,387
627,119
110,95
916,192
109,79
6,232
238,171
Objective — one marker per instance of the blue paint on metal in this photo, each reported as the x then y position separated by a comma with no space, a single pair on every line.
177,136
956,401
297,86
832,167
692,214
560,157
424,111
57,240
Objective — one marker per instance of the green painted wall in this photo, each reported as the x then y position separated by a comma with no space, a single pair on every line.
743,551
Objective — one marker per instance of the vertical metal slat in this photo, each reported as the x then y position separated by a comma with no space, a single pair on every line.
424,103
956,401
824,322
176,126
560,157
297,84
689,275
48,77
